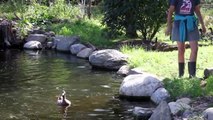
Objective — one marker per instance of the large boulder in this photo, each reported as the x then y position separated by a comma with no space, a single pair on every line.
108,59
63,43
33,45
139,85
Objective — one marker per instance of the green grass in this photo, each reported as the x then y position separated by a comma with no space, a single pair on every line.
165,64
188,87
89,31
183,87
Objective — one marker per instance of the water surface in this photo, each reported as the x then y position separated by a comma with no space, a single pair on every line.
30,82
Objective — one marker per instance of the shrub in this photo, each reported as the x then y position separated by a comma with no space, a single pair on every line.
131,16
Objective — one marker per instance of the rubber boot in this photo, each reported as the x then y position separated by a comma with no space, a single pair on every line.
181,67
192,69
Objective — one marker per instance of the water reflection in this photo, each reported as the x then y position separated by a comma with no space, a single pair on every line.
64,111
30,81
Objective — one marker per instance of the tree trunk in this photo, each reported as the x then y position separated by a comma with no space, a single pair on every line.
89,9
130,27
131,31
7,36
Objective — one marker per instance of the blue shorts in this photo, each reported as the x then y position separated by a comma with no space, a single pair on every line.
190,36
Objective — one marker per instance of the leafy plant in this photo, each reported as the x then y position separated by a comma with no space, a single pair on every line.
209,86
183,87
131,16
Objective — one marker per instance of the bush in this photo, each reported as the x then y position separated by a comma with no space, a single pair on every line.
183,87
131,16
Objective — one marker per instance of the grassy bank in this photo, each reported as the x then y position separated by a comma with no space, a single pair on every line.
164,64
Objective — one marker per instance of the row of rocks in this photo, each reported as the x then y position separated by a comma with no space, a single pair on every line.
179,110
141,84
107,59
111,59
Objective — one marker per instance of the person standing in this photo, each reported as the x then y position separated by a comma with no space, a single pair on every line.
185,28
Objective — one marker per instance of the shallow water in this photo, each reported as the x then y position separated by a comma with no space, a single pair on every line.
30,82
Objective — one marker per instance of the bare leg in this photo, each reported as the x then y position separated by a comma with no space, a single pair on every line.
193,58
181,51
181,63
194,50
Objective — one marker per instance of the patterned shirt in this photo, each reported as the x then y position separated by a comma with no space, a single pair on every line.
184,7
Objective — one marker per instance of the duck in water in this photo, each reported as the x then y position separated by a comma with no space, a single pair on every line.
62,101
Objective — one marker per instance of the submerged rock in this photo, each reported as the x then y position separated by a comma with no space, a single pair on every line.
142,113
33,45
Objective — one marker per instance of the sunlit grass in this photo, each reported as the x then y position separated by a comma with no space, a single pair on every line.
165,64
89,31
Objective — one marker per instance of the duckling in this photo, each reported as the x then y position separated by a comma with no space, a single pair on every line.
62,101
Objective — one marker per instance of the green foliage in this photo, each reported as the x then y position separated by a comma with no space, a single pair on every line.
153,15
145,16
183,87
40,14
209,86
188,87
37,14
88,30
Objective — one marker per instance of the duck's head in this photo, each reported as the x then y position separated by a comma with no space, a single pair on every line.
63,93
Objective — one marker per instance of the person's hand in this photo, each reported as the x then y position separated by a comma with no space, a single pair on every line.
168,30
203,29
